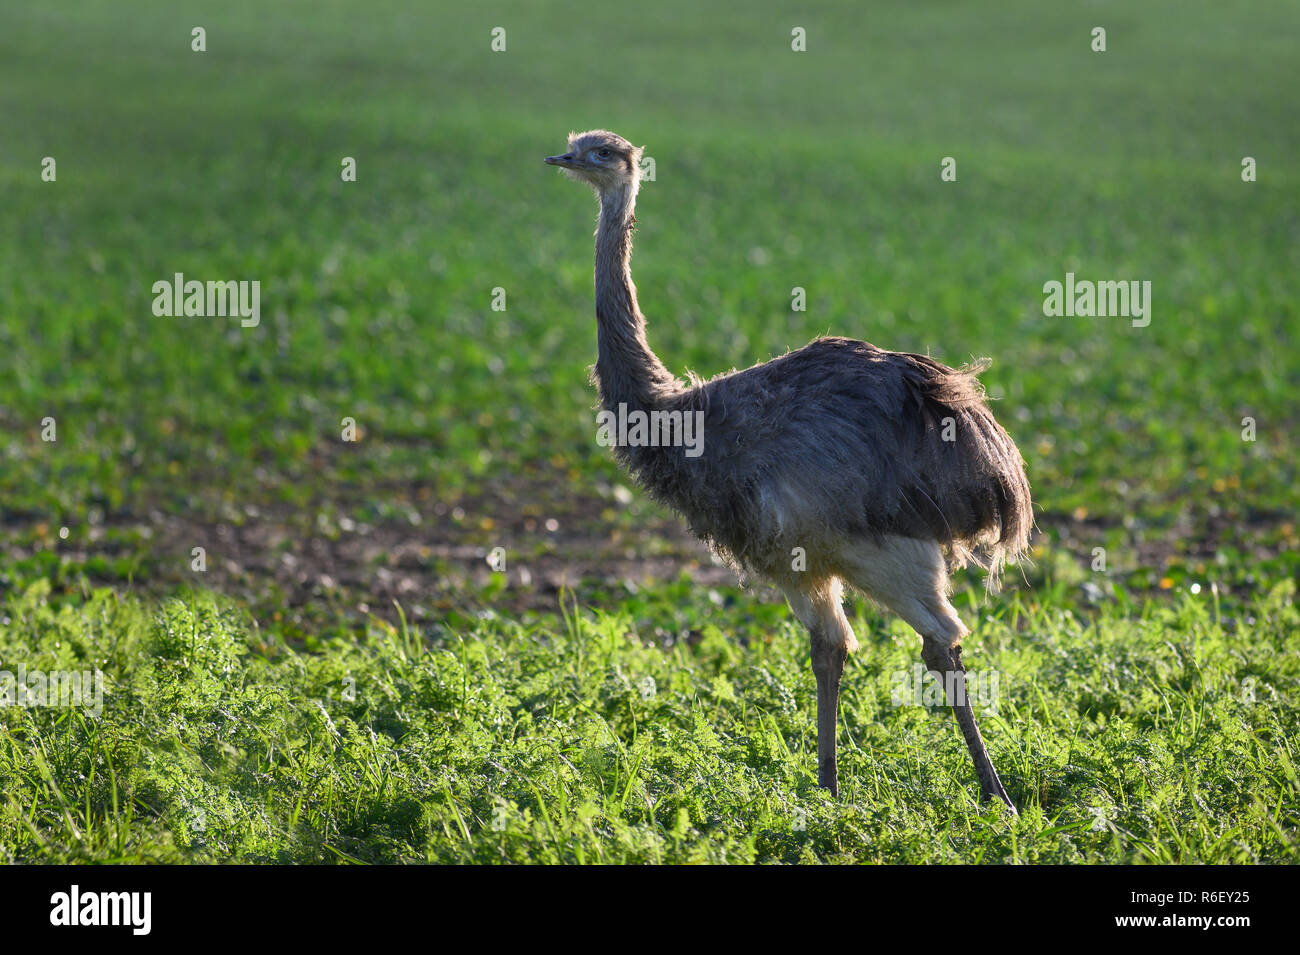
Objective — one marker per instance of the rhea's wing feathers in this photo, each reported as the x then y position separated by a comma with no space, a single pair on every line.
868,441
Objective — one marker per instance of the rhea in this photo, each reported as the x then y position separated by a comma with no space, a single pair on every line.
836,464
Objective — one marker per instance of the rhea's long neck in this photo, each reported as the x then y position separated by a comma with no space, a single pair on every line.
627,371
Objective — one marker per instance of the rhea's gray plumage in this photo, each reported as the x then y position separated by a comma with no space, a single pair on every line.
841,438
873,465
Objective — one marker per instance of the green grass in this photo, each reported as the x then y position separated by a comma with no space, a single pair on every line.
1123,691
596,740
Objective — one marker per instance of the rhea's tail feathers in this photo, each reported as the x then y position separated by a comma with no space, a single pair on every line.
996,476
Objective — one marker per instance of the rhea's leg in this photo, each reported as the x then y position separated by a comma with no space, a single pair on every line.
831,639
943,659
910,577
828,667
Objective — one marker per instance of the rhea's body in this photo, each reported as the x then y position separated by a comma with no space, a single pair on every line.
838,439
837,463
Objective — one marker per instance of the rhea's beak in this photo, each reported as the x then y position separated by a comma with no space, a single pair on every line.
566,161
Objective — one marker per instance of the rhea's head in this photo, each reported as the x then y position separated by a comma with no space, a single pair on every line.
603,160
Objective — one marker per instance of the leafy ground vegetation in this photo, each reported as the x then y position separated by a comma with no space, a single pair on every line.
347,680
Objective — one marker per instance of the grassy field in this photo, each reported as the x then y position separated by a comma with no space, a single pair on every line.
348,680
